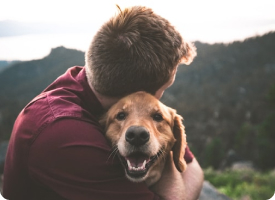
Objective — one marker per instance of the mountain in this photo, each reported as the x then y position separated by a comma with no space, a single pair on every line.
222,96
4,64
226,97
23,81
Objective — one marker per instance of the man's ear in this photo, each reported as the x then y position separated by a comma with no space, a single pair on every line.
189,52
180,144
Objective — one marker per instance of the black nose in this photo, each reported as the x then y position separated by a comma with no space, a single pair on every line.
137,135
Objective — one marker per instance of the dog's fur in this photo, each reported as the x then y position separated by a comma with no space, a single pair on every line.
142,111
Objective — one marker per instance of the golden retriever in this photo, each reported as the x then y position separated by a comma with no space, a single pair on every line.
143,131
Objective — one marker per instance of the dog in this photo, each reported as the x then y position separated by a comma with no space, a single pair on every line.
143,131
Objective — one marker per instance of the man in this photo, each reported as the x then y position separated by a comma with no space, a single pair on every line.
57,149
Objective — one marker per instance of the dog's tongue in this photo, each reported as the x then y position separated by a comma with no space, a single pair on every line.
137,160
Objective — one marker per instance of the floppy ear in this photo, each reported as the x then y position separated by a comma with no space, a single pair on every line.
180,144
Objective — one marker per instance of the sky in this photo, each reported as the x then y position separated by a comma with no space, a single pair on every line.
204,20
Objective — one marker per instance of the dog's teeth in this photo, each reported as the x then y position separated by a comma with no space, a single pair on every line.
129,164
143,165
130,167
136,168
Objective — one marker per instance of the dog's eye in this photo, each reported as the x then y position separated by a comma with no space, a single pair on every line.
121,116
157,117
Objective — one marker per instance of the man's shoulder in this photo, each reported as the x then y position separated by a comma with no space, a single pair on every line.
60,103
48,108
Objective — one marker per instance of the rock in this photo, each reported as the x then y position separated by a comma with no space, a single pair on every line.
209,192
243,165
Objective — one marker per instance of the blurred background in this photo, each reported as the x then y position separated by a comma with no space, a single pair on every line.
226,96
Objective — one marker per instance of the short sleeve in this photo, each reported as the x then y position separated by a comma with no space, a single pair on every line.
188,156
73,159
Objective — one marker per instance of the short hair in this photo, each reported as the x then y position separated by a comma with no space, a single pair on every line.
136,50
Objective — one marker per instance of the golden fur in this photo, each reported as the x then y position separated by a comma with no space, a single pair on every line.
162,126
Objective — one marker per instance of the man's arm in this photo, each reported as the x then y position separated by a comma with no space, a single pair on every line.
193,179
174,185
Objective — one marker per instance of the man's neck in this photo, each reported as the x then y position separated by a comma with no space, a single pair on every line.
105,101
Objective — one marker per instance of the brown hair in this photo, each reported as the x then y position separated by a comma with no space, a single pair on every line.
136,50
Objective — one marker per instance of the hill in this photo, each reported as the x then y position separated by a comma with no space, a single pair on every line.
4,64
23,81
222,96
225,97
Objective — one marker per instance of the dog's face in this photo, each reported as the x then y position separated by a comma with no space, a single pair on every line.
144,131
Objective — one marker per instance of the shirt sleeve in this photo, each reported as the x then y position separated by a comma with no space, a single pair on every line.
73,159
188,156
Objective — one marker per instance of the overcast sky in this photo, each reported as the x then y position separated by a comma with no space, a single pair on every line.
88,10
205,20
193,15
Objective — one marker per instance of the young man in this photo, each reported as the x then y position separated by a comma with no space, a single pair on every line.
57,149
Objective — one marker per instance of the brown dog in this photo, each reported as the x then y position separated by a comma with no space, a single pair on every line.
144,131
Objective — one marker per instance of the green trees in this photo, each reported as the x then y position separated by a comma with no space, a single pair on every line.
256,142
222,96
266,135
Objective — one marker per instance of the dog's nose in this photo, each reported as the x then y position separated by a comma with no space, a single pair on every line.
137,135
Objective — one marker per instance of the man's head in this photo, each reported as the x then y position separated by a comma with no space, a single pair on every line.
136,50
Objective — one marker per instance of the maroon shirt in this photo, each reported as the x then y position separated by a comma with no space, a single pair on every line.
57,149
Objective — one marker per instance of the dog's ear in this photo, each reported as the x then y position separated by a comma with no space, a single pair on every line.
180,144
103,121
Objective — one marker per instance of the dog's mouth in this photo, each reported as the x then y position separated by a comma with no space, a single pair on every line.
137,164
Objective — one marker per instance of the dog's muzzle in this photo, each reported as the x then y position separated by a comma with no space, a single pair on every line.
138,162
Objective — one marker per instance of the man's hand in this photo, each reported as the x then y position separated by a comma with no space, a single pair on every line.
174,185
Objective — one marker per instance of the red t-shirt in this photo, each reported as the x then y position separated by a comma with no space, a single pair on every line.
57,149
